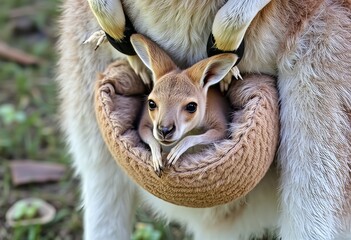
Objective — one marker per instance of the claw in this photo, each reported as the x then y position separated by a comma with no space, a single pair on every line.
173,156
157,162
158,172
236,73
99,37
101,40
157,169
224,84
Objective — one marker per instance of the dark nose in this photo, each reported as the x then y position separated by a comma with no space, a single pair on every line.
164,131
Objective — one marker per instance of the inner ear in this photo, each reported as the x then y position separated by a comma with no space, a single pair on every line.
216,69
211,70
210,76
142,52
152,56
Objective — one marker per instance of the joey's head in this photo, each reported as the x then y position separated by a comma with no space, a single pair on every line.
176,106
177,102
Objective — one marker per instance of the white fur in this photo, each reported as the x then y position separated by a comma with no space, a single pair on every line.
232,21
314,86
260,213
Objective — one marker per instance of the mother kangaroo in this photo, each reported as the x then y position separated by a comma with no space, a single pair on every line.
305,44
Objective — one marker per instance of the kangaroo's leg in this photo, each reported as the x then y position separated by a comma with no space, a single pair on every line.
315,94
108,195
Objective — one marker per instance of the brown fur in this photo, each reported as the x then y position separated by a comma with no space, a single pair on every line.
305,44
173,90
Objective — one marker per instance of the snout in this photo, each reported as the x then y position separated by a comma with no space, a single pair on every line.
165,132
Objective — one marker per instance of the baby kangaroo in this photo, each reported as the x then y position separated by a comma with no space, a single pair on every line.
181,102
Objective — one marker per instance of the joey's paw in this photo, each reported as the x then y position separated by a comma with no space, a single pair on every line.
176,152
140,69
98,37
157,163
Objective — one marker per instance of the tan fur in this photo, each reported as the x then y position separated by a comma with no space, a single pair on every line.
173,90
156,56
305,44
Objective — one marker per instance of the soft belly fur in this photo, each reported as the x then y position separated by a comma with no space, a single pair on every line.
305,44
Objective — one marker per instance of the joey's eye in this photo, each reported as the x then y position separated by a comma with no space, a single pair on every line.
152,105
191,107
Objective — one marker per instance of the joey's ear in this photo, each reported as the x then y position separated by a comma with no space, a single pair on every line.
211,70
152,56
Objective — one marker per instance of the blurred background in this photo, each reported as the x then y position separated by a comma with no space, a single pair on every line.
33,159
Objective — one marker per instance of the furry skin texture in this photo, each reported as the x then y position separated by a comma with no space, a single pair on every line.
168,125
305,44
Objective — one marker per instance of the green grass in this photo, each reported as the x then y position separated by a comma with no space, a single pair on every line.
29,127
